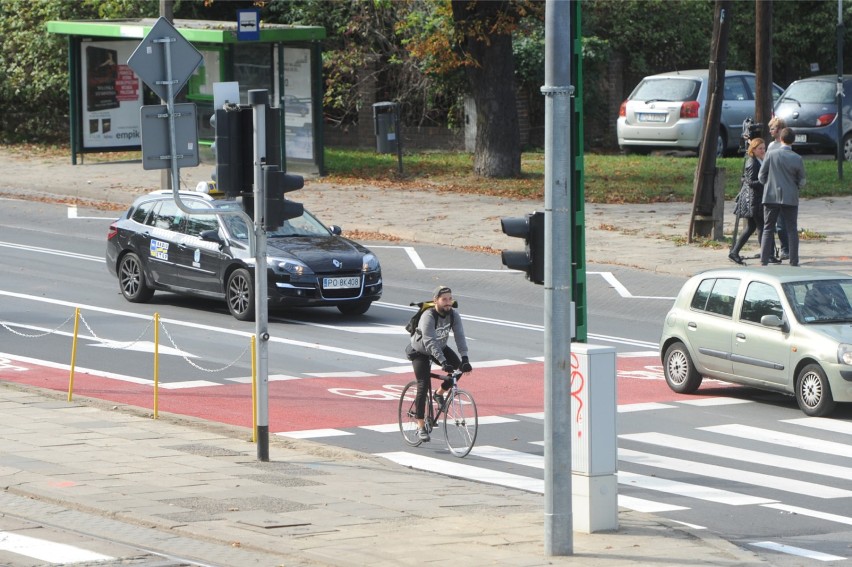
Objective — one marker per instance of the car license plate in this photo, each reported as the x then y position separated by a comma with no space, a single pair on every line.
801,139
651,117
341,283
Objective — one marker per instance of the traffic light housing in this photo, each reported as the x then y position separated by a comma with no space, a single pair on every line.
278,208
233,147
531,260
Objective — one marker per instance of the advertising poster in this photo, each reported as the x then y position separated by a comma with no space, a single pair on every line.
112,95
298,113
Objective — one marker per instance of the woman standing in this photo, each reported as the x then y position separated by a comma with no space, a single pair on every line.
749,201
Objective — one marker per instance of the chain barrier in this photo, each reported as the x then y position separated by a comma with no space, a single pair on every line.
5,325
112,344
197,367
9,326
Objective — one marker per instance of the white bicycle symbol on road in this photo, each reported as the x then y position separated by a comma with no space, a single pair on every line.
391,392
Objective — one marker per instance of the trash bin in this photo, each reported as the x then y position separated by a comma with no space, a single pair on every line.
386,121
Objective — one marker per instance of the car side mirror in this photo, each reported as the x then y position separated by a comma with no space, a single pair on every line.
773,321
335,230
212,236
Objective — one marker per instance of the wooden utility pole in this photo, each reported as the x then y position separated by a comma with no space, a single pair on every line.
763,102
705,202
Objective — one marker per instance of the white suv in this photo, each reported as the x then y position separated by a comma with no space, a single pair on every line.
667,111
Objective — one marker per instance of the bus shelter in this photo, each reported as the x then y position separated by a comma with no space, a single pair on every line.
106,95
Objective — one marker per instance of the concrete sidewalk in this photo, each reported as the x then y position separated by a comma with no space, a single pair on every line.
197,488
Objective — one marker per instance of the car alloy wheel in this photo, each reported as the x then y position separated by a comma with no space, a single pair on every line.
240,295
131,279
680,372
813,392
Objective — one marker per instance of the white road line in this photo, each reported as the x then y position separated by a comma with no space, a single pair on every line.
340,374
811,513
646,406
738,454
45,550
689,490
466,472
703,469
709,402
823,423
805,443
797,551
80,369
508,456
74,255
314,433
647,506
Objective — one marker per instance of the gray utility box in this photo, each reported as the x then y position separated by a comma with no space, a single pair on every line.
386,121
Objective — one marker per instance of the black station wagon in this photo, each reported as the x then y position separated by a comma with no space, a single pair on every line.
157,246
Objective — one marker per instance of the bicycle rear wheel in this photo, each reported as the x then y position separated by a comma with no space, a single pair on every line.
460,423
407,421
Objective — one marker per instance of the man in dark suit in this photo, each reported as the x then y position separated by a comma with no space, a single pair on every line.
782,175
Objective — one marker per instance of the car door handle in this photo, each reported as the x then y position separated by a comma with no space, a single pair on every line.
741,336
692,325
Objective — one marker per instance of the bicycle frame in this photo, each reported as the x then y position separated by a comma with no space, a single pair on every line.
460,421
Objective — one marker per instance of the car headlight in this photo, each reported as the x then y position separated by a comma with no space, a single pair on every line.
371,263
294,267
844,354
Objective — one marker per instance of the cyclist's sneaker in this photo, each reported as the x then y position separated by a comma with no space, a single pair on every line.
423,435
439,398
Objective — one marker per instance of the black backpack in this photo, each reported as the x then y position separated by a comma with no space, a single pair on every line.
422,307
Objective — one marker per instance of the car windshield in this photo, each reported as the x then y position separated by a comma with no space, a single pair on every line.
667,89
814,92
305,225
822,301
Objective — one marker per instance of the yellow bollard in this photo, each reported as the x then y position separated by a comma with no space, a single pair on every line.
156,365
73,352
253,389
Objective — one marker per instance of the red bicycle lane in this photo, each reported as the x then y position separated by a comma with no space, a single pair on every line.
333,402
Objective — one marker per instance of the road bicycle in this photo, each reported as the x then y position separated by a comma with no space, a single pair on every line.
460,420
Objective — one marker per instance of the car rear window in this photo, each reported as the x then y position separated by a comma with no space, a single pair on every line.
667,89
142,211
716,295
819,92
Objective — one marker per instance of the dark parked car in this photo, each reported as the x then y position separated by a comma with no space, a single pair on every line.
809,107
157,246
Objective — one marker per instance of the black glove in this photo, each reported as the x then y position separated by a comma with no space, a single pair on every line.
448,368
465,365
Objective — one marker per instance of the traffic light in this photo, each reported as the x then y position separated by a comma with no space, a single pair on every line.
278,208
233,146
531,260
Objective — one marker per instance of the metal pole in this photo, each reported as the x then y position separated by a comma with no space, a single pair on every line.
841,154
558,514
258,99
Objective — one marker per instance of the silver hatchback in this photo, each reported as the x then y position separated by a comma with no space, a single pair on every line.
667,111
784,329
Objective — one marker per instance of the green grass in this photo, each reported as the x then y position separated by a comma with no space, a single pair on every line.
608,178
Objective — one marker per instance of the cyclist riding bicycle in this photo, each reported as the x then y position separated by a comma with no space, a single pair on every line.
429,344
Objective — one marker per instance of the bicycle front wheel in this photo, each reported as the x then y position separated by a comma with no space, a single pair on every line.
407,420
460,423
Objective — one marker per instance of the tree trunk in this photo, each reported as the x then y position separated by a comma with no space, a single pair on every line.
491,78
